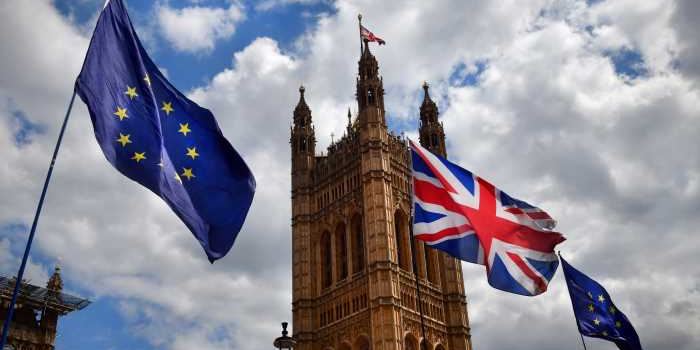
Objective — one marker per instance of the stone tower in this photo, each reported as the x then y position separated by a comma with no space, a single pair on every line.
353,282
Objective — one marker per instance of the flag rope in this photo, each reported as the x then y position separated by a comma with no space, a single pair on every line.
413,255
572,304
20,273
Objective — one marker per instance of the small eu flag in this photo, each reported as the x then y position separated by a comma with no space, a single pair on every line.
157,137
596,315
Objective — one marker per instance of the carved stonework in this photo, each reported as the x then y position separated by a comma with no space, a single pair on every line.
353,285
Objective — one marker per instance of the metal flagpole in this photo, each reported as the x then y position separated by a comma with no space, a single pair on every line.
359,26
572,303
413,255
20,274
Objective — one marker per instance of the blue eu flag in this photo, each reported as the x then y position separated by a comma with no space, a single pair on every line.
596,315
157,137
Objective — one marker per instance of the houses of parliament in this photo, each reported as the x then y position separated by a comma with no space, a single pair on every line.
354,286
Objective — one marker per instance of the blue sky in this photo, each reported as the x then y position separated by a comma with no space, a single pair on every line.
578,106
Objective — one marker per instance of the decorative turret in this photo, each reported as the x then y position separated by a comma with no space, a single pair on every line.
302,113
303,142
432,133
370,89
55,283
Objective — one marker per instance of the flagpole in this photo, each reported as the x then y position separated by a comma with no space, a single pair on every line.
572,304
359,27
413,255
20,273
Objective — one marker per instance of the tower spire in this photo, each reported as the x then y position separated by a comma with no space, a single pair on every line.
370,89
432,133
55,283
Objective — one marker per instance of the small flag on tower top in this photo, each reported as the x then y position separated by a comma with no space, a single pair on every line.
369,36
156,136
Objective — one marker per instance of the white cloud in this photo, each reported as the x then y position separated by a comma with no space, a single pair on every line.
266,5
197,29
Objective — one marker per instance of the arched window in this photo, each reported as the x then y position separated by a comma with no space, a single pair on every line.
410,342
302,144
403,250
326,262
431,262
341,252
370,96
358,244
362,343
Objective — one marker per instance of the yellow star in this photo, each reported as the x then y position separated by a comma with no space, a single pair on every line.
596,321
192,152
177,178
123,139
167,107
613,310
131,92
618,324
605,334
601,298
139,156
147,79
121,113
187,172
185,128
590,296
590,307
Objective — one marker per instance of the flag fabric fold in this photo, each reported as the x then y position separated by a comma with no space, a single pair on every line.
156,136
466,216
366,34
596,314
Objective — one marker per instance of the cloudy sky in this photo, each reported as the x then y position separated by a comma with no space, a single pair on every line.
589,109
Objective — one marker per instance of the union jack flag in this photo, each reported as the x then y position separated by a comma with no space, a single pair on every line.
467,217
366,34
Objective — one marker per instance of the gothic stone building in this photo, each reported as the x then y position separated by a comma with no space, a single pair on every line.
37,311
353,281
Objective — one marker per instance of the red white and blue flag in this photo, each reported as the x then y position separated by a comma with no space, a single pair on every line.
369,36
467,217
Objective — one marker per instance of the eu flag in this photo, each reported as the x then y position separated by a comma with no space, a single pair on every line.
157,137
596,315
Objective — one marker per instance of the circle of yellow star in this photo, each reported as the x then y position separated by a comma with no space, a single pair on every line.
596,321
187,172
605,334
612,310
167,107
123,139
618,324
601,298
121,113
131,92
147,79
590,307
184,128
139,156
192,152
